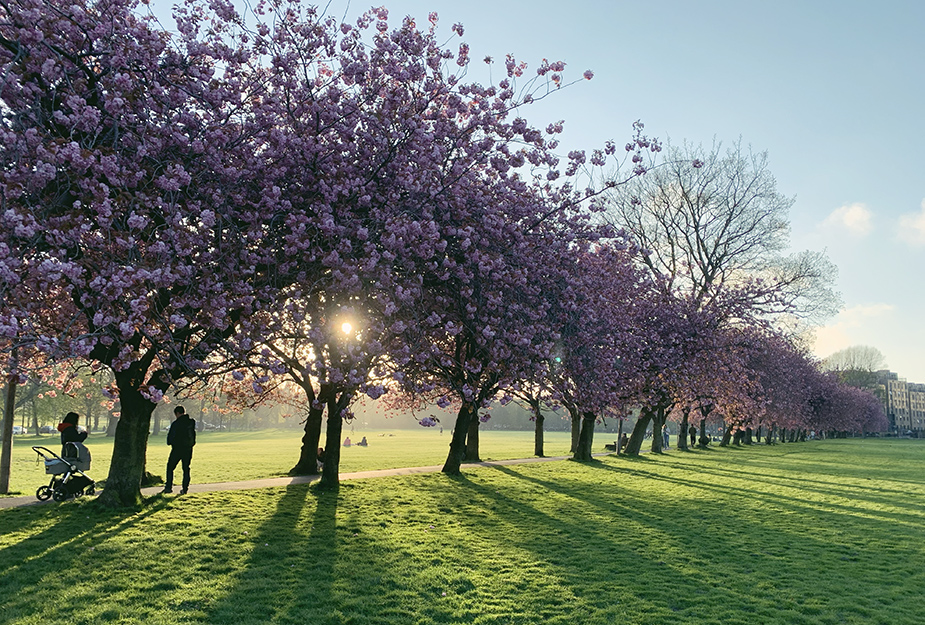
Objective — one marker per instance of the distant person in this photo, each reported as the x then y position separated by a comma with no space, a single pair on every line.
321,456
182,438
363,442
693,433
347,442
624,440
70,433
666,438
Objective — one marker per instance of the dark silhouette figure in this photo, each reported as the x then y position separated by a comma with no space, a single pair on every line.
182,438
624,439
363,442
69,433
693,433
321,456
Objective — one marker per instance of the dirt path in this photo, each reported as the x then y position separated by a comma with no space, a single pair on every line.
30,500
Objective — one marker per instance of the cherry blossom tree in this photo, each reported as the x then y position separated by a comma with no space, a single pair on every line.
132,192
596,298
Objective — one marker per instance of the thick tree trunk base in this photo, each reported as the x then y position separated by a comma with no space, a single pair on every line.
472,441
457,452
585,439
634,445
127,468
309,468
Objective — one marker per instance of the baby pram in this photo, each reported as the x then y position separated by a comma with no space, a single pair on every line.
67,474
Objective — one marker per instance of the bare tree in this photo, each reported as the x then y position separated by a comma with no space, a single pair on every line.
860,357
857,365
713,220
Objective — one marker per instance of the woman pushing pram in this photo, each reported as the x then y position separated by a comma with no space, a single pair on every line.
67,470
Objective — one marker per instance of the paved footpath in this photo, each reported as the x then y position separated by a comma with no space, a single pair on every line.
30,500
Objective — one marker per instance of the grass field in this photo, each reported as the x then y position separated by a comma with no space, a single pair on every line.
234,456
819,532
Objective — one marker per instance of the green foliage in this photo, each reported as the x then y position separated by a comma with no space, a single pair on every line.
812,533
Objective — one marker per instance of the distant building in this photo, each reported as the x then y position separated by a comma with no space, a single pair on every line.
903,403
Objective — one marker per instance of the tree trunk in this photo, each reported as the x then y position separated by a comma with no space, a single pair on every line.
727,435
123,485
639,433
749,440
330,474
458,442
758,435
619,435
308,456
538,438
658,428
472,440
705,411
35,418
6,453
586,437
113,425
769,437
682,429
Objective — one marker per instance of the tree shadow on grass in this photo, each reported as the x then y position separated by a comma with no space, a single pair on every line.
816,506
289,569
586,544
891,497
711,553
56,554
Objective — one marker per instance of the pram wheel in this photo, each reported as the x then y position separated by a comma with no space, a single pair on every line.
59,494
43,493
89,490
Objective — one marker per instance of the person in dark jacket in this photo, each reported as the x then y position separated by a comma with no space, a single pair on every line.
69,432
182,438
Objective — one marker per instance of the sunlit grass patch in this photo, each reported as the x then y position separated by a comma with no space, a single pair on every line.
803,533
237,456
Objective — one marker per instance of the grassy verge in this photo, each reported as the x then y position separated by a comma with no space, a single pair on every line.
235,456
822,532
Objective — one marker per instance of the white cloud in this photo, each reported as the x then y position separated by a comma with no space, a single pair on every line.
843,332
912,227
855,218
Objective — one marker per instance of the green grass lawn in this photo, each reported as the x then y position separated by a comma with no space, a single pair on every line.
819,532
235,456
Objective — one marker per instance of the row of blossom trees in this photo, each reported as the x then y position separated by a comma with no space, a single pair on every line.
288,200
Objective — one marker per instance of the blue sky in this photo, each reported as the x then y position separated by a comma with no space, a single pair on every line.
833,90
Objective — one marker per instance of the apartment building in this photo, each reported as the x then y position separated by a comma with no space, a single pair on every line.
903,403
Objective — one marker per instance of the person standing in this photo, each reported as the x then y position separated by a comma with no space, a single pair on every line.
182,438
69,432
693,433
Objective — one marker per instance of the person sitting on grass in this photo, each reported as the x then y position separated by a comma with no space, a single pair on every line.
182,438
